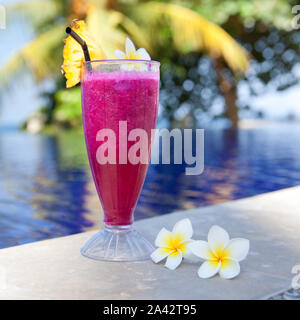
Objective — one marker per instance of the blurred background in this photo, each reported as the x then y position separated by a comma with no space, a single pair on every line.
231,67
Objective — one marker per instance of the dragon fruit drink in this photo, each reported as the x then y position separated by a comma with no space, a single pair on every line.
118,95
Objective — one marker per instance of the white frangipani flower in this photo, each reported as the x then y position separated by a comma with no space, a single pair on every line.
131,53
173,245
222,255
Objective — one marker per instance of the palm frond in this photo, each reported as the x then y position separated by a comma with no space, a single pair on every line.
41,57
135,32
191,32
103,25
37,10
110,28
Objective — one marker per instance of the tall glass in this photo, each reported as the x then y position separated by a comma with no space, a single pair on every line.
118,96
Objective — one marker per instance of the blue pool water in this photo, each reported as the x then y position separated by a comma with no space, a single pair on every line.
46,189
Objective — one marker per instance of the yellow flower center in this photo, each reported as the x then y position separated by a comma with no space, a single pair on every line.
220,255
131,56
177,244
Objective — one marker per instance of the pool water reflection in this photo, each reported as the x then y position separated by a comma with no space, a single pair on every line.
46,189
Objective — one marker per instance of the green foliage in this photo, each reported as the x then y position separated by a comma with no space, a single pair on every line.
68,107
271,12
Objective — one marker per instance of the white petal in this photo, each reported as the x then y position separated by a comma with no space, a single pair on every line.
188,254
201,249
119,54
164,239
130,48
143,54
183,228
209,269
229,269
237,249
218,239
174,260
160,254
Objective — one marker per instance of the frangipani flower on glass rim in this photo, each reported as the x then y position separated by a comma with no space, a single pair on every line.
222,255
173,245
132,54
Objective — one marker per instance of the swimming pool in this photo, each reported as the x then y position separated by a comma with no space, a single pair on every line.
46,189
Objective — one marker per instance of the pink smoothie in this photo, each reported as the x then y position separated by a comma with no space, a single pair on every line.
108,98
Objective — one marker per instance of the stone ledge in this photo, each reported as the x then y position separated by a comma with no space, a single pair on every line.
54,269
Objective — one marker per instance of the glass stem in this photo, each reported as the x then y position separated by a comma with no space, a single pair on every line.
116,228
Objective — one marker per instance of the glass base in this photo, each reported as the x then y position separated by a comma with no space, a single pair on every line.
117,243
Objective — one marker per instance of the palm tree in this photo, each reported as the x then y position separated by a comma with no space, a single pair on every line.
111,21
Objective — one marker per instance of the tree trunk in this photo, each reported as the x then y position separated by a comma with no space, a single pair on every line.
228,87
